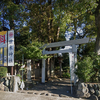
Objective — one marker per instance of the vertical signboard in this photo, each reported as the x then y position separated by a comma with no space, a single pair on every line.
29,70
3,48
7,48
3,39
5,56
11,48
1,56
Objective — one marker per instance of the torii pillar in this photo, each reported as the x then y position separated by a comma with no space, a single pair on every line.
74,51
43,68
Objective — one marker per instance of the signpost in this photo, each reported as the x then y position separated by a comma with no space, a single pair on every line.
7,48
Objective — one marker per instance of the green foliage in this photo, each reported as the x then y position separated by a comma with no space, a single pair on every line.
31,51
85,69
19,75
47,22
66,75
22,71
19,64
89,68
57,68
3,72
85,49
65,63
66,71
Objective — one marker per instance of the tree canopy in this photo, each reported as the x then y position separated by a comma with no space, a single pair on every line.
47,21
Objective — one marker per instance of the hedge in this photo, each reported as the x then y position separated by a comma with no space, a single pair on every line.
3,72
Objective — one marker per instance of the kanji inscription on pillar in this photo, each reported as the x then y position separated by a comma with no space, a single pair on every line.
11,48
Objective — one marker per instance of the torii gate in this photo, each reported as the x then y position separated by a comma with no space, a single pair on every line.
72,50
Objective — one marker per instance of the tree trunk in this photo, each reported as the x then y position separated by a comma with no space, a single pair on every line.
97,22
48,68
58,30
60,69
52,67
49,34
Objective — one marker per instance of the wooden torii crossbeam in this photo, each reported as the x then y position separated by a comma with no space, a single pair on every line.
72,43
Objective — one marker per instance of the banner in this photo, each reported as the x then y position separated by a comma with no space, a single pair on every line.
5,56
3,39
1,56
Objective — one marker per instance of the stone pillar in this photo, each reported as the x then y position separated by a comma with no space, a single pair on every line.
15,83
28,70
43,71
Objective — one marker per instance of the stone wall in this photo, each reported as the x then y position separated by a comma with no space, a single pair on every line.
88,90
10,83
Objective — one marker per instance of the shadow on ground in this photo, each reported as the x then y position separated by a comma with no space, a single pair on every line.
59,86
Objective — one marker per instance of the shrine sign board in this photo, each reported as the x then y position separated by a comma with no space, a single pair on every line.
7,48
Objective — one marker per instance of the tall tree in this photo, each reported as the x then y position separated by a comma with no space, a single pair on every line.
82,16
97,22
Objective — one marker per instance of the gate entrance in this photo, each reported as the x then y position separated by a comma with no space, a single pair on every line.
72,55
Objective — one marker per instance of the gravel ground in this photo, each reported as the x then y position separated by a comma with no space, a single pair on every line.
60,88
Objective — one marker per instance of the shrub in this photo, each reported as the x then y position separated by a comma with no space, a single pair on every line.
66,72
89,68
3,72
66,75
85,69
57,68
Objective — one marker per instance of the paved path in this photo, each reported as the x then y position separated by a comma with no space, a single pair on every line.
24,96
